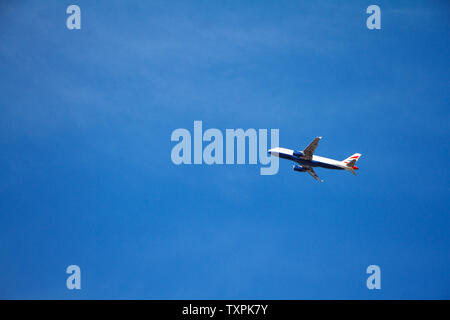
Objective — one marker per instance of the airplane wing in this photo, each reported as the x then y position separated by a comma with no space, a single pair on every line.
312,173
309,150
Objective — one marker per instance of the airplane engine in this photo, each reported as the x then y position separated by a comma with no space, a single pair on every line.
299,168
298,154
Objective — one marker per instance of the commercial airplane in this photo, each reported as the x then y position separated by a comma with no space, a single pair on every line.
307,160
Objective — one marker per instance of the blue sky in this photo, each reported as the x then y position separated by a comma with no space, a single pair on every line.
87,179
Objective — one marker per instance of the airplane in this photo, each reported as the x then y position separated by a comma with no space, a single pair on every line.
307,160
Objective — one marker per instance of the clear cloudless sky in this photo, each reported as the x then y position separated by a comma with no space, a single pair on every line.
86,175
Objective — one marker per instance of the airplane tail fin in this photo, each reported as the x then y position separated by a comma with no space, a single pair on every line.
350,162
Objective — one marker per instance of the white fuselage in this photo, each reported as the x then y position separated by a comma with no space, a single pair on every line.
316,161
